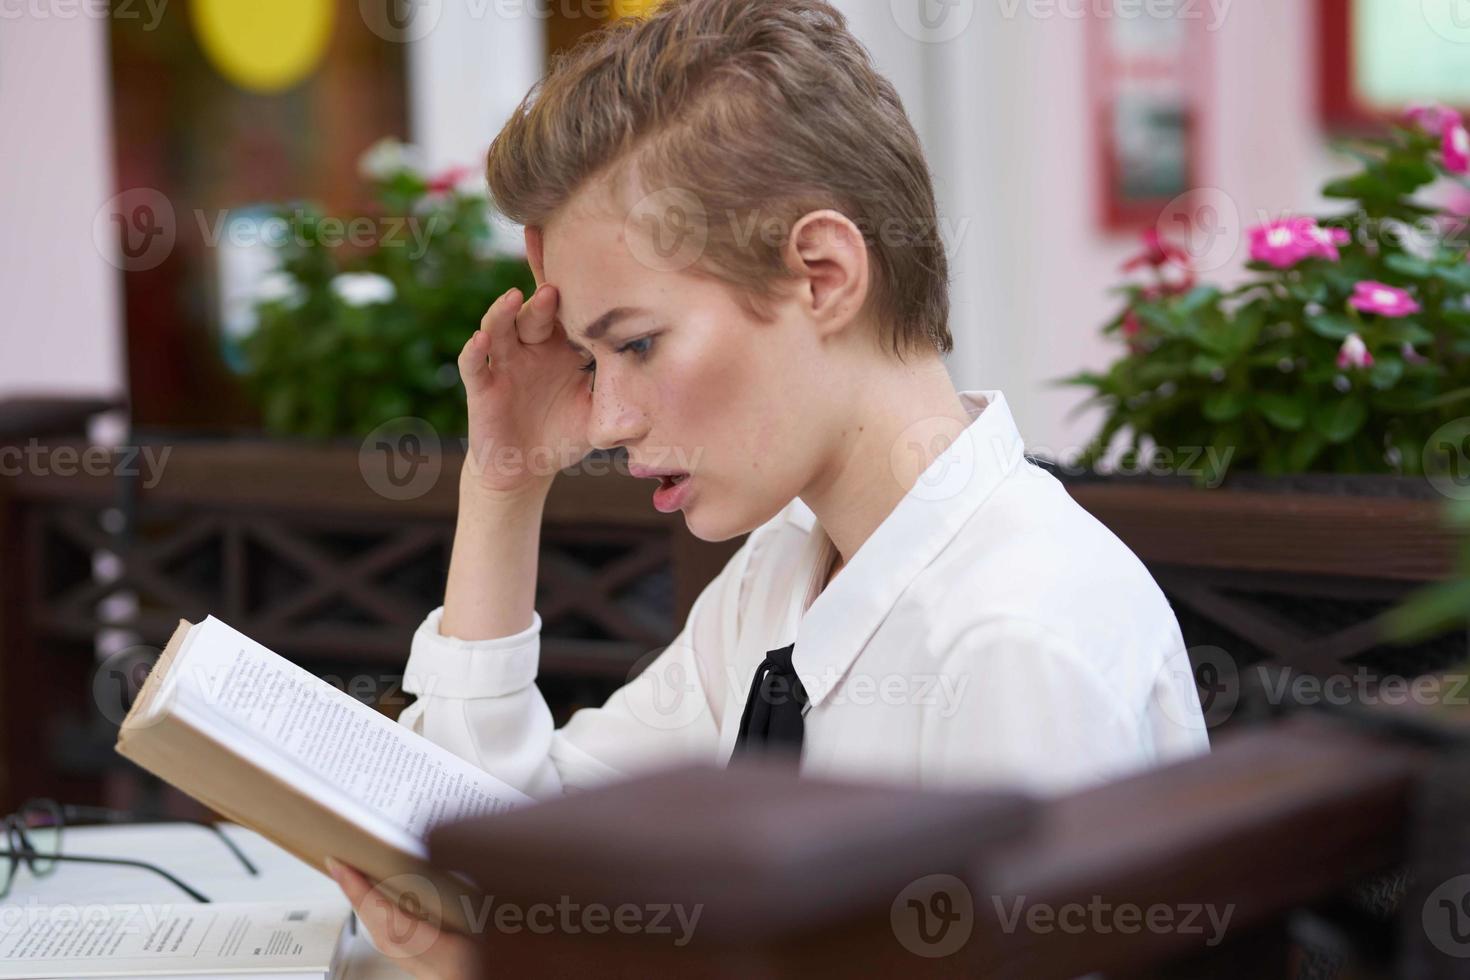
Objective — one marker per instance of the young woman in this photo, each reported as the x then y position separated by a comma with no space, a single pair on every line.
742,284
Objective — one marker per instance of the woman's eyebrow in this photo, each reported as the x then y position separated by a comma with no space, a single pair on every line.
603,324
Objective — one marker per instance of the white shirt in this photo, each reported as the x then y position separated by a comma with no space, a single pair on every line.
990,632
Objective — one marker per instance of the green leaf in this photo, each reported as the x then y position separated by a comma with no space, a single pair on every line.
1386,372
1338,421
1333,326
1205,366
1401,332
1409,265
1430,612
1224,406
1283,411
1304,449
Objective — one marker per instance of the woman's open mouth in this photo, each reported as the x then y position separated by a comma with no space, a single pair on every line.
672,492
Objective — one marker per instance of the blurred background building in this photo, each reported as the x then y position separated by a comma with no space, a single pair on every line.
1028,112
147,143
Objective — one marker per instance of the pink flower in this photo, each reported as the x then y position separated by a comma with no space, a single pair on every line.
1326,242
1434,119
1282,244
1170,263
1354,354
1457,149
1389,301
1132,327
449,179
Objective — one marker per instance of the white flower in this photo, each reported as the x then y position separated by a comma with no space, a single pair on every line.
279,287
363,288
389,156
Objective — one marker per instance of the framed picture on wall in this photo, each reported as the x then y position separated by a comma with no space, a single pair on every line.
1377,57
1149,79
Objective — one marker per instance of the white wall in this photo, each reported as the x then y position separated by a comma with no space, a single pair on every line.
60,299
1002,109
1005,116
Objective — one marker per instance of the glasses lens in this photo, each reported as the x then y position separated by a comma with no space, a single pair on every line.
10,862
43,825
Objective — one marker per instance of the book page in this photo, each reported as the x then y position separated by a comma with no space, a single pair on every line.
393,781
297,939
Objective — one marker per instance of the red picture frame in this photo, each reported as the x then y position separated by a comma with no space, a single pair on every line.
1183,75
1338,105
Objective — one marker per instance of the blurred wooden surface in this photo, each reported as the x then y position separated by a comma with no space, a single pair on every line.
1272,820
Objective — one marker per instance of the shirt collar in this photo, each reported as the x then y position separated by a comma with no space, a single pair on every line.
841,620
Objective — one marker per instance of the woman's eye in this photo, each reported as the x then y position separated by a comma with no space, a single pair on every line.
641,347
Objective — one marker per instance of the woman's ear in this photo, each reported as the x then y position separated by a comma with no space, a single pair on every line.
535,253
829,257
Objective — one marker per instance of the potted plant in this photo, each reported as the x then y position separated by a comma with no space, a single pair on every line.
1325,399
350,336
1345,348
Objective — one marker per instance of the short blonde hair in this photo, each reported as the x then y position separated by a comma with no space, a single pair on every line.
763,108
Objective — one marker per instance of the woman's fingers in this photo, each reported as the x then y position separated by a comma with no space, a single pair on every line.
537,317
413,941
497,330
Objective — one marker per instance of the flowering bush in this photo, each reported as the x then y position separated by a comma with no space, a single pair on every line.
364,318
1344,350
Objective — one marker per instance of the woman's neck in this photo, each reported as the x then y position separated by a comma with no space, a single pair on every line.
903,420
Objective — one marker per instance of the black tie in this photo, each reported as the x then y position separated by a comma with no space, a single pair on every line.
771,725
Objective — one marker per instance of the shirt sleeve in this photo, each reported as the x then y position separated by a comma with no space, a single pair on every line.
479,700
1030,712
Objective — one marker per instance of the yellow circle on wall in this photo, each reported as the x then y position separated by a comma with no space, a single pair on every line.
634,8
263,45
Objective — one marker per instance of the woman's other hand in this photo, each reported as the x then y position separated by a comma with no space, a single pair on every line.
414,944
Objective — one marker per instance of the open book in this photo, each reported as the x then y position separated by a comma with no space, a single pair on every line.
187,941
273,747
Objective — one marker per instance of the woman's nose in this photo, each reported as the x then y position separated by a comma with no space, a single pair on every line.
614,420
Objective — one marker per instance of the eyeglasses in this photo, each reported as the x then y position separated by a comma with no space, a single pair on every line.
33,837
